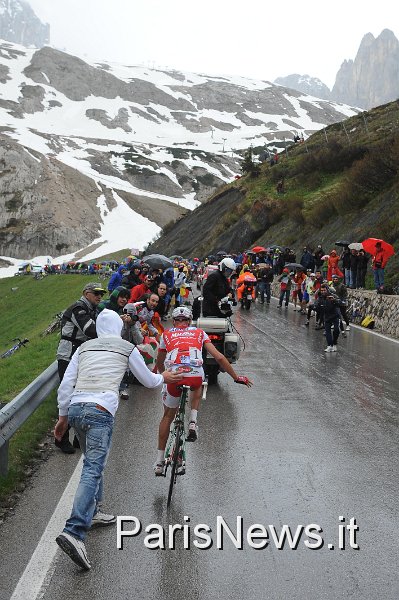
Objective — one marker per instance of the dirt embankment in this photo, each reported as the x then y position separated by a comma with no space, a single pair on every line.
194,234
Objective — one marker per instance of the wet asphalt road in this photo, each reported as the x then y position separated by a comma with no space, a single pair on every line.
316,438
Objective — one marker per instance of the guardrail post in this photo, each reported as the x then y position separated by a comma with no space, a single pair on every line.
3,453
14,413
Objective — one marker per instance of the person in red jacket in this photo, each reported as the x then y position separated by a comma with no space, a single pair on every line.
333,268
139,290
378,263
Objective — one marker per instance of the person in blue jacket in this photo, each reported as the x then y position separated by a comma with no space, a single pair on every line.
116,278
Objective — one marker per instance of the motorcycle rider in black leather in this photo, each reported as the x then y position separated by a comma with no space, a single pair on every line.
216,287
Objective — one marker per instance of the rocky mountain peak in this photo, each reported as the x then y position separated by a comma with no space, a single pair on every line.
372,78
19,24
306,84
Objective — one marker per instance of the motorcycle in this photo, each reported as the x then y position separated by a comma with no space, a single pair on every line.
248,294
222,336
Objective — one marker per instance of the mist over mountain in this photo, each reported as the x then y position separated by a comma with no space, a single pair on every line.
19,24
370,80
144,144
306,84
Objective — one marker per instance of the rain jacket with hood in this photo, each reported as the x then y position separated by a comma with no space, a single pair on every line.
112,303
97,368
116,278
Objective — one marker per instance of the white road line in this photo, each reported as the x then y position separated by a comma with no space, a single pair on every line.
377,333
37,570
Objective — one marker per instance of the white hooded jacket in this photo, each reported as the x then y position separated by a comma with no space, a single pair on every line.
97,368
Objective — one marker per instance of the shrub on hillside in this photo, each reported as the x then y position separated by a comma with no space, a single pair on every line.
322,210
331,158
367,178
295,210
248,166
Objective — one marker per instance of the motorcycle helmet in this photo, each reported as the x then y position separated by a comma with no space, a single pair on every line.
182,311
227,266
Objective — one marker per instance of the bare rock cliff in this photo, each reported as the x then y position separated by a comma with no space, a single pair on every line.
19,24
372,79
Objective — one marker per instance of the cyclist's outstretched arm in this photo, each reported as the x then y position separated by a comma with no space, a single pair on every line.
226,366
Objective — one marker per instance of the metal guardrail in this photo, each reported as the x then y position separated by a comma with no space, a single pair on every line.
15,413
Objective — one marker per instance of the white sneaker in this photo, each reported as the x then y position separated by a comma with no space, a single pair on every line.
329,349
181,468
334,348
100,519
124,395
75,549
347,328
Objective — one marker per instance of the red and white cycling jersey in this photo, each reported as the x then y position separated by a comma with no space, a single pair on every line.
183,349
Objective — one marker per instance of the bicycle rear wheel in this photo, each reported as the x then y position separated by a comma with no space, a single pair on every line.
174,461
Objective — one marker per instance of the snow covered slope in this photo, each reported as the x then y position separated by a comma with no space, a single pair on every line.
162,139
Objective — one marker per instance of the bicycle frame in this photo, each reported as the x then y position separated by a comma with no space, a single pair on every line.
175,452
16,347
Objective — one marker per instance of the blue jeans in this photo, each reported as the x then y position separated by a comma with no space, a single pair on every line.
347,277
378,278
93,428
263,287
332,337
284,294
352,278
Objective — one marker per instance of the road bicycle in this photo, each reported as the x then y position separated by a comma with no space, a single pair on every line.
54,325
175,453
16,347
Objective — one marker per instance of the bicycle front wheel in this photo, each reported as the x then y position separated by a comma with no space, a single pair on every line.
174,461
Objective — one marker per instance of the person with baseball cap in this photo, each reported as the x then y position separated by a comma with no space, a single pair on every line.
78,324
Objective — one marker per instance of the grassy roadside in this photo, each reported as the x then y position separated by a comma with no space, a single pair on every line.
26,312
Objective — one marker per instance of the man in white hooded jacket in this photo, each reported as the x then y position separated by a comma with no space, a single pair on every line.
88,399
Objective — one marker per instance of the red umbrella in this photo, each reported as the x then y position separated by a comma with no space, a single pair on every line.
369,246
257,249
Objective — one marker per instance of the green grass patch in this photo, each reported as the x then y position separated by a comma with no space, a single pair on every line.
26,312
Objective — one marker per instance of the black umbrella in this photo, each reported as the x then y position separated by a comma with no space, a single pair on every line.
275,247
342,243
221,253
294,266
158,261
175,256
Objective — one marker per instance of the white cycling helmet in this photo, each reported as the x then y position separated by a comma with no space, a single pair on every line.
182,311
227,266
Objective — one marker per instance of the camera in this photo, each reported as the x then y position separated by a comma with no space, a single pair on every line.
130,310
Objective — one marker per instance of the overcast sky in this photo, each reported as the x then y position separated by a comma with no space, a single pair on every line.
258,38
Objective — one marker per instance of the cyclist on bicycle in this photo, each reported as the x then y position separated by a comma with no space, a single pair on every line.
181,350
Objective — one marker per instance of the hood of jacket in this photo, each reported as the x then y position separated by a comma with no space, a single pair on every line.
109,323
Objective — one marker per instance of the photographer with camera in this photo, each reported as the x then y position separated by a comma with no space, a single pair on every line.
329,305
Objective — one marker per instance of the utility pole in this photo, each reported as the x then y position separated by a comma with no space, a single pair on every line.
343,125
224,140
325,134
285,146
365,123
